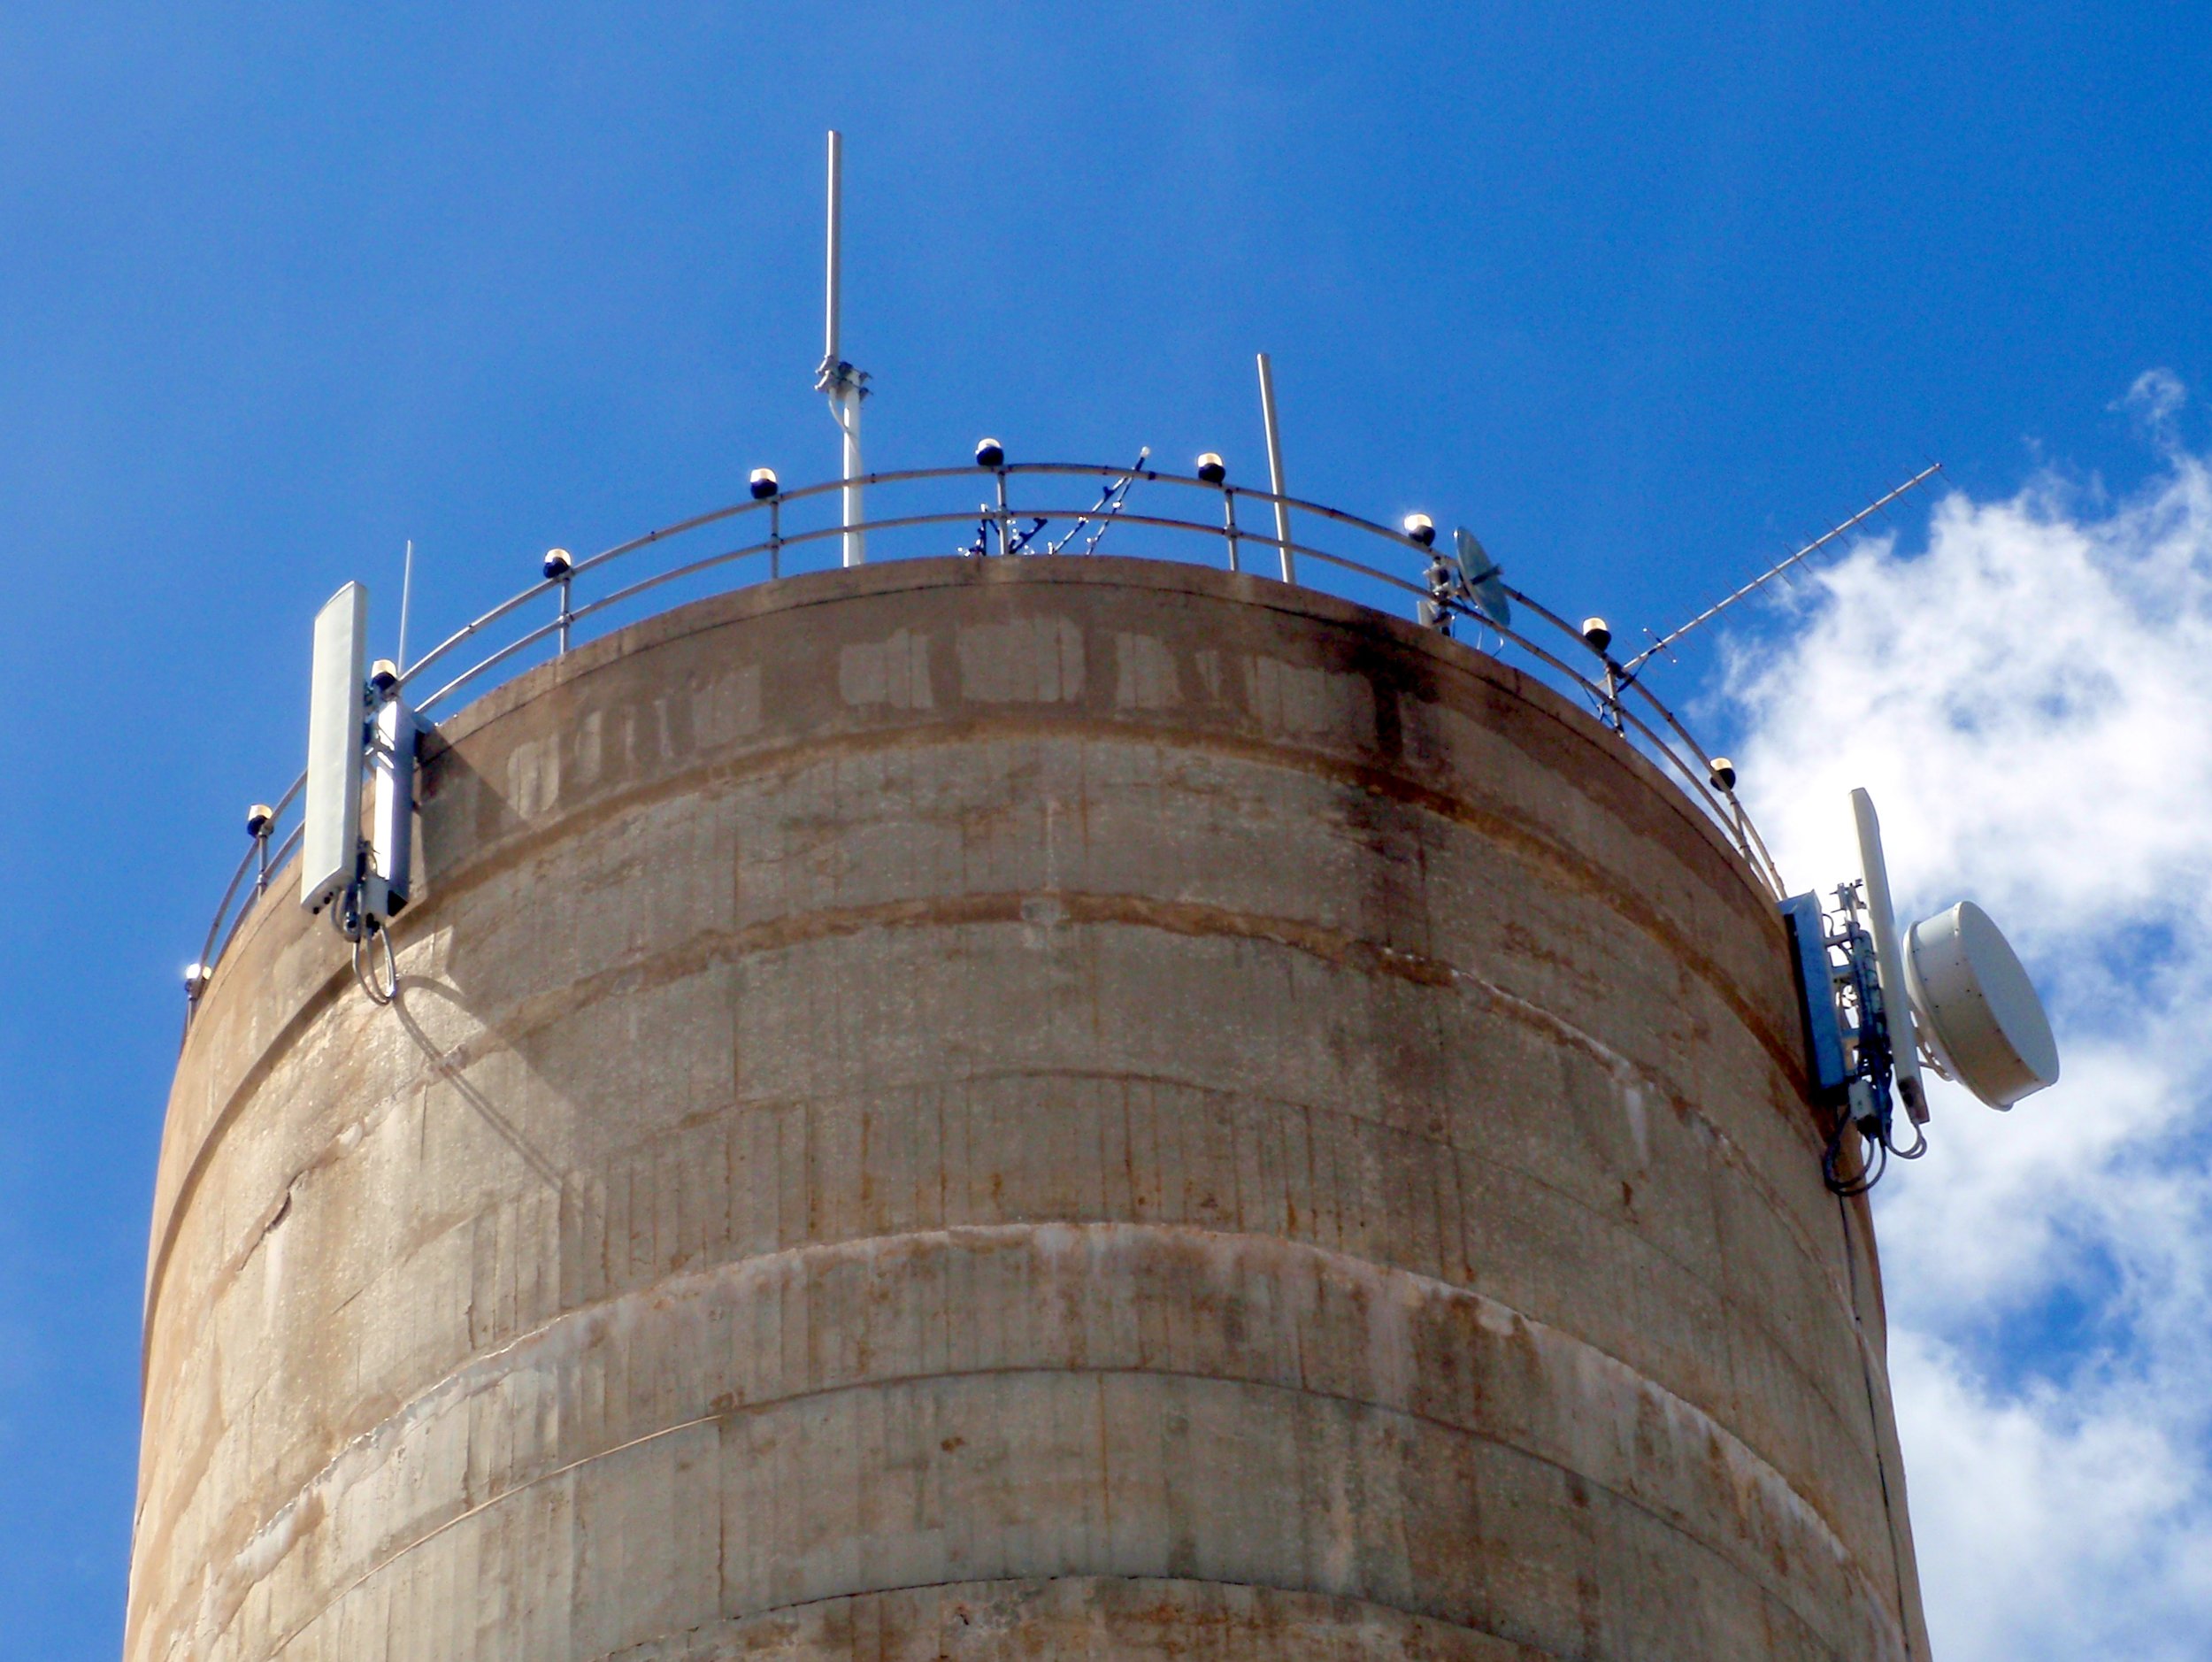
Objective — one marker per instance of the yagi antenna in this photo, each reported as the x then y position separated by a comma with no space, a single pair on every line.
1772,572
845,385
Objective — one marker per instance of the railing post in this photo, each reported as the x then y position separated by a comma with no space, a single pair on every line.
1720,773
1001,472
775,536
260,819
558,567
1229,525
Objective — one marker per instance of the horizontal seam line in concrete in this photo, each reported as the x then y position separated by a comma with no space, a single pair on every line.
1580,874
1495,824
1465,663
1864,1585
537,1012
737,1413
992,1582
1138,573
1228,589
705,947
435,1071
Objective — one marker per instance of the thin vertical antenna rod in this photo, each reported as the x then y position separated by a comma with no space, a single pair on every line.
837,378
836,237
1275,465
406,593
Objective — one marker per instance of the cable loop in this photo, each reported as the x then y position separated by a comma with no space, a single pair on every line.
383,991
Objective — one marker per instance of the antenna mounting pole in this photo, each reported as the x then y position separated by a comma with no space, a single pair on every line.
1275,466
844,386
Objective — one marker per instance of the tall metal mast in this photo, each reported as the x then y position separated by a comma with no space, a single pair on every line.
844,386
1275,465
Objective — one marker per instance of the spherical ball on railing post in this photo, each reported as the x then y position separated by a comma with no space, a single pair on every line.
383,676
1212,469
990,453
1598,634
763,484
1421,528
556,565
259,818
1722,772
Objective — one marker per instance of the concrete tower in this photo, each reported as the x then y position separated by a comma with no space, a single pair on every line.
1019,1109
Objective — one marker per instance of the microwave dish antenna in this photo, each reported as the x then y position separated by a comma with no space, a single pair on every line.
1468,578
1877,1001
1484,577
1978,1009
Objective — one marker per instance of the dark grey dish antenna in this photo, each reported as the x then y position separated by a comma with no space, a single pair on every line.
1484,577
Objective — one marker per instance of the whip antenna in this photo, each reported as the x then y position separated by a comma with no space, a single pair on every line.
406,595
845,385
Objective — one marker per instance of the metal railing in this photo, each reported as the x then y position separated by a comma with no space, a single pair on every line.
800,530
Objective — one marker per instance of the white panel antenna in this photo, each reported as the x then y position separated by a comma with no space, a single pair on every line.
330,830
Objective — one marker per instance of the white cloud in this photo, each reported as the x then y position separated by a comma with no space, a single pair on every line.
2155,399
2028,699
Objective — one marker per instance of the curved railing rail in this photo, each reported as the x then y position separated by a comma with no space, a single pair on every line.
799,531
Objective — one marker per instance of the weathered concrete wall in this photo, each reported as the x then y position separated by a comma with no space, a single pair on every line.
1019,1108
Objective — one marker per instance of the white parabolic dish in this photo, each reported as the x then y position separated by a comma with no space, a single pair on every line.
1979,1006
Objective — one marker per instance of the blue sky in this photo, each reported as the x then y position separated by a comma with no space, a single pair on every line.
1645,293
